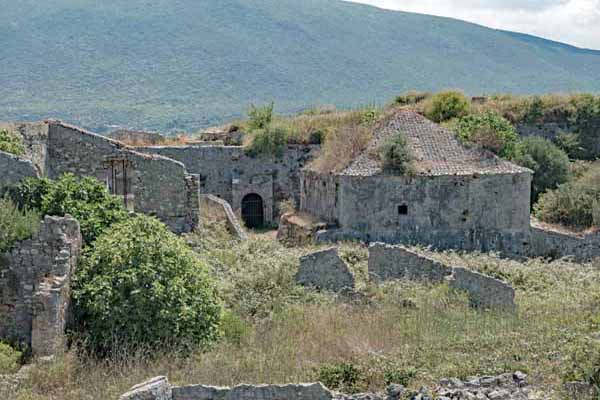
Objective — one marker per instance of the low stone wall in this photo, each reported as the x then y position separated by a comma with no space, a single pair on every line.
388,262
509,386
223,210
35,286
14,169
554,244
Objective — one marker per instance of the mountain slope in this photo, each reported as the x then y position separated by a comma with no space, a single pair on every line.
183,64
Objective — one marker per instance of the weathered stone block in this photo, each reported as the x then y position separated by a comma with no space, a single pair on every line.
325,270
484,291
388,262
154,389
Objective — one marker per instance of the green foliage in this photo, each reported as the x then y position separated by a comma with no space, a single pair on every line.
260,117
343,376
401,376
11,143
15,225
447,105
141,285
86,199
10,359
369,116
587,125
575,203
411,98
489,131
534,112
582,363
268,141
569,143
549,163
396,155
29,192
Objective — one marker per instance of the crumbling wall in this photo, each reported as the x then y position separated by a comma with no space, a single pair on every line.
388,262
219,166
35,285
554,244
215,205
13,169
159,186
325,270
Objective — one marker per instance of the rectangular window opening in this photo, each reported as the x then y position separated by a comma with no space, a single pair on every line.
403,209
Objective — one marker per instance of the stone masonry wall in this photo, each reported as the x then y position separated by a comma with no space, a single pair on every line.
160,186
219,166
35,286
35,140
13,169
319,195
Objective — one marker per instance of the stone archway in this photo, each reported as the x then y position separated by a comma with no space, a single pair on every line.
253,212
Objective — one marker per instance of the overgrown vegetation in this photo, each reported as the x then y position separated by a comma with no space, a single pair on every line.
265,139
11,143
489,131
445,106
575,204
549,163
15,224
140,285
396,155
10,359
86,199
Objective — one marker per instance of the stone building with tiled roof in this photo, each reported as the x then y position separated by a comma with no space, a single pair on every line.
457,196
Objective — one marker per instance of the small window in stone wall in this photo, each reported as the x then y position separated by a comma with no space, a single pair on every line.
403,209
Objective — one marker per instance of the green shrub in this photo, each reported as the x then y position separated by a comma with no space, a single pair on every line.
534,112
11,143
549,163
412,97
447,105
86,199
260,117
268,141
397,375
15,225
141,285
575,203
30,192
569,143
10,359
587,125
396,155
369,116
343,376
489,131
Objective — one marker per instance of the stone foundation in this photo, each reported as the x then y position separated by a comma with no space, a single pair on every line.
35,286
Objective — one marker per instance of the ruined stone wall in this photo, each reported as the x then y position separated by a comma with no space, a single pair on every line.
421,208
548,243
220,166
160,186
35,140
319,195
35,286
13,169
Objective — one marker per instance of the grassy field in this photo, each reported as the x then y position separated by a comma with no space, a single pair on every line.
275,332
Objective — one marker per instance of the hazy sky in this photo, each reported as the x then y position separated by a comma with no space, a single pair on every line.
571,21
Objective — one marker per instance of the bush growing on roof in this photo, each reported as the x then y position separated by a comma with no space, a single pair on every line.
447,105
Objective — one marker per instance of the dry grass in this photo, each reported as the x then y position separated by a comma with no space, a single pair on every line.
341,147
277,333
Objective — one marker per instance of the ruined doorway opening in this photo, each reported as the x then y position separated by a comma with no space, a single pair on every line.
253,211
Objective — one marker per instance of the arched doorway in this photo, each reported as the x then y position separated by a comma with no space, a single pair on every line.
253,211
